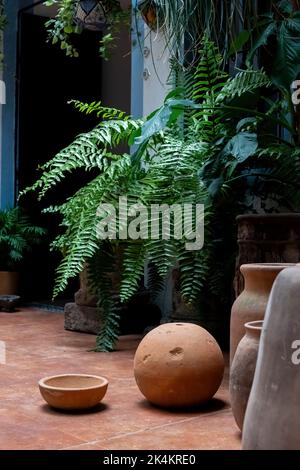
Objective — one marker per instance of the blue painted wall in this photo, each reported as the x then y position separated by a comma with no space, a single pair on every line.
8,146
7,169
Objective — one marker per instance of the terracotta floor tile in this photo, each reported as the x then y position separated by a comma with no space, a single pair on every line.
201,433
38,346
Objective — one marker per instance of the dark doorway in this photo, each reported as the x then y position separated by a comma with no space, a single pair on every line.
46,123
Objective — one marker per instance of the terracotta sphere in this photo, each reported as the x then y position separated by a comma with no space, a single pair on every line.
178,365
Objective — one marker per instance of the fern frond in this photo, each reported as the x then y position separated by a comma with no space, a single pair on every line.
246,81
88,151
100,271
133,270
155,282
104,112
194,269
162,253
209,78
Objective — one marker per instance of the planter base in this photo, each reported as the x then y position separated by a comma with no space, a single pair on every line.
135,317
82,319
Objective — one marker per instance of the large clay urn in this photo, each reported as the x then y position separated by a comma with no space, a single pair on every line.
251,304
243,369
272,420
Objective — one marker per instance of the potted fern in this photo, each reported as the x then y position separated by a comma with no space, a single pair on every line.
17,237
213,160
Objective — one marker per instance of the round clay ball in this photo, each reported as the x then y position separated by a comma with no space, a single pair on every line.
178,365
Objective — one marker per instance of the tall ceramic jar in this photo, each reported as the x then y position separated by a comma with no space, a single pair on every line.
272,420
251,304
243,369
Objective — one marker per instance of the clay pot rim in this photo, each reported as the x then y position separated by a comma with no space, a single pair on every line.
103,382
254,325
9,272
266,266
275,218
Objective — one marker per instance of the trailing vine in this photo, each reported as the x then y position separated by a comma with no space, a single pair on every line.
62,28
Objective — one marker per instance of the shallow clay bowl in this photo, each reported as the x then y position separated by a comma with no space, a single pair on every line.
73,391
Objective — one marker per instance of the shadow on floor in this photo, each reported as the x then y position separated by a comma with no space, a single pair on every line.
212,406
97,409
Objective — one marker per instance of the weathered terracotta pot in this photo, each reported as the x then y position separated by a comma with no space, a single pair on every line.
243,369
272,420
178,365
9,283
251,304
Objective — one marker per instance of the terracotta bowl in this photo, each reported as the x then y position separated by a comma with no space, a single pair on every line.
73,391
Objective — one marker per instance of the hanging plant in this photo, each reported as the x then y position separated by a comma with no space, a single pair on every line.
96,15
151,13
73,16
183,23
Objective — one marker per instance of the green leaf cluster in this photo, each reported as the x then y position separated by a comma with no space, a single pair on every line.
17,237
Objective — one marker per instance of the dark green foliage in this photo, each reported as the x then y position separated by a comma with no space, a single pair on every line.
17,237
271,37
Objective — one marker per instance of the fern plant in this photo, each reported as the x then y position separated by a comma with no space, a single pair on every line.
206,138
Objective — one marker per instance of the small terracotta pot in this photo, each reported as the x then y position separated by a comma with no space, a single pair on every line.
178,365
9,283
272,420
243,369
251,304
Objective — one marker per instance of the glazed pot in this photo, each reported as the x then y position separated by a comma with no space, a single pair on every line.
9,282
251,304
178,365
272,420
243,369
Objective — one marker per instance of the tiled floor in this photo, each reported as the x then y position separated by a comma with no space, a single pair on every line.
38,346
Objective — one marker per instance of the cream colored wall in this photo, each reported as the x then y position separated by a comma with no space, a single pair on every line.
156,70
